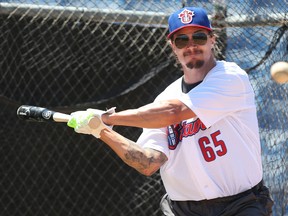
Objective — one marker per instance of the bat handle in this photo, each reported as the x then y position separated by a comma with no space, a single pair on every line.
61,117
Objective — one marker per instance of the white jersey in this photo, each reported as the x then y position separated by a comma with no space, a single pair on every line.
218,153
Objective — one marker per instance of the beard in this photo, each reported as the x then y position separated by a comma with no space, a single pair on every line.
195,64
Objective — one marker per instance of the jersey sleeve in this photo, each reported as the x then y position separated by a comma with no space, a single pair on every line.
220,94
154,139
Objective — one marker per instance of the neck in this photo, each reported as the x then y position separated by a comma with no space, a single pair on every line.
197,75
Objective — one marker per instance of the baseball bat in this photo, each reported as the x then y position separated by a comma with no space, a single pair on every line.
40,114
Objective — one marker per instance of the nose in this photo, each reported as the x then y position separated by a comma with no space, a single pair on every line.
191,43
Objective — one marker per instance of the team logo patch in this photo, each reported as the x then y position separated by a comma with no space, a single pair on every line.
174,132
186,16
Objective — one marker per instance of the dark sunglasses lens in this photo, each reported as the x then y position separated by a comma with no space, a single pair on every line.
181,41
199,38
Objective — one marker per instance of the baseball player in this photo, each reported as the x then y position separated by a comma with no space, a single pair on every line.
201,131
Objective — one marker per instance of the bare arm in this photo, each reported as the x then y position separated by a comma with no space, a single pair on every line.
146,161
154,115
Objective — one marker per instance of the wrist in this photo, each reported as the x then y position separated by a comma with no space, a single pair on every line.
106,119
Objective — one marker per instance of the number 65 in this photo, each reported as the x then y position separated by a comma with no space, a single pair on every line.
208,148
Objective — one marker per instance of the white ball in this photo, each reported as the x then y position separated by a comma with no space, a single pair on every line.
279,72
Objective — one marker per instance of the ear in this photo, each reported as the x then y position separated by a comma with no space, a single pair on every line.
213,41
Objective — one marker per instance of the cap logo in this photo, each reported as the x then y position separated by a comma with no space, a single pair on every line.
186,16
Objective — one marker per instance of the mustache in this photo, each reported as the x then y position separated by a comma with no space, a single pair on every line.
198,64
192,52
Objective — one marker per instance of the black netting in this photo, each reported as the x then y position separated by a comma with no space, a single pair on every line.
68,60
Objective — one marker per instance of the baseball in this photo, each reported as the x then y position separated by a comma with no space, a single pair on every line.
279,72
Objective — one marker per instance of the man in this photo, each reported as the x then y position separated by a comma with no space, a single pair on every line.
201,131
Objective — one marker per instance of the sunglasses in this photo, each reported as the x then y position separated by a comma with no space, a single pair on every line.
198,38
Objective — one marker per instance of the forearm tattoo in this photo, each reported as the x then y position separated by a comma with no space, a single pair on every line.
143,159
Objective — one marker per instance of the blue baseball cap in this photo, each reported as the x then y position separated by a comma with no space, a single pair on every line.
187,17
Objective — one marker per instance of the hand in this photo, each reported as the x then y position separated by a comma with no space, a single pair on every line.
89,121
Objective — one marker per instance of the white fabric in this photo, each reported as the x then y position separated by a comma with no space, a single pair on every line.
219,153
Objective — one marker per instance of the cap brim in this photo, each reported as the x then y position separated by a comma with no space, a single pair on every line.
191,25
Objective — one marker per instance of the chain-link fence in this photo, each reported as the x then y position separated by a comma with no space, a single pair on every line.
71,55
